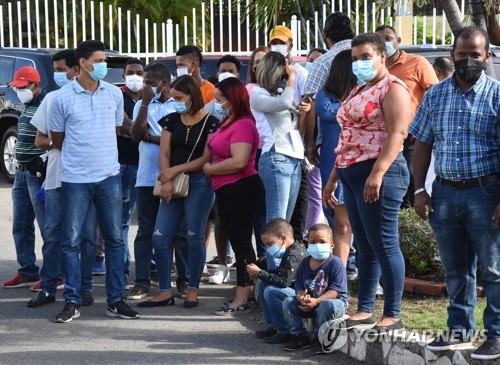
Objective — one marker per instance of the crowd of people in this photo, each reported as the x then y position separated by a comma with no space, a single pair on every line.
312,163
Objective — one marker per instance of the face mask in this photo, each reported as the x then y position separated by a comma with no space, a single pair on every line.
280,48
61,78
218,109
319,251
180,106
181,71
364,70
24,95
390,49
308,66
100,70
469,69
225,75
156,92
278,87
134,83
275,251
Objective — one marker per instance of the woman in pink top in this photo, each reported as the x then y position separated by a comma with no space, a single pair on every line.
236,183
375,119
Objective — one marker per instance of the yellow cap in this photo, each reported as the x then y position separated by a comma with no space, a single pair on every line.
282,33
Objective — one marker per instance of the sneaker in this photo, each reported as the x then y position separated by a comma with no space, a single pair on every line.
154,278
448,341
251,302
317,347
87,298
19,281
227,311
489,350
298,342
40,299
278,338
99,268
270,331
182,288
37,286
122,310
214,262
137,292
71,310
220,275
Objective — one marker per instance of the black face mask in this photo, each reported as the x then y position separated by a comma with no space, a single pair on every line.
278,87
469,69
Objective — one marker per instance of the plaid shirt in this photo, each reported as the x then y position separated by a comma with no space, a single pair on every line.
464,128
321,67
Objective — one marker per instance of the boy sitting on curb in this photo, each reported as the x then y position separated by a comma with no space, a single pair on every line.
277,285
320,289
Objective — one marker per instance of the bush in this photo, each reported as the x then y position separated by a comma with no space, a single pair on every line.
419,246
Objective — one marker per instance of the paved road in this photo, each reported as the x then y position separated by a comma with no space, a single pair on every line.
170,335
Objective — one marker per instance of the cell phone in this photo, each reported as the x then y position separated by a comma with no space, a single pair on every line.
307,98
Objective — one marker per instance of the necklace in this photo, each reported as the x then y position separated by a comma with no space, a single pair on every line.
188,129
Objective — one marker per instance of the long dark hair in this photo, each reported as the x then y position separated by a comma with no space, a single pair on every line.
236,93
341,79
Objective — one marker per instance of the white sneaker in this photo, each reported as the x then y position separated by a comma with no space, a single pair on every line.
220,275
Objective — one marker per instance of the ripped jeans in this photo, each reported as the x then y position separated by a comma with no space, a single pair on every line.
195,208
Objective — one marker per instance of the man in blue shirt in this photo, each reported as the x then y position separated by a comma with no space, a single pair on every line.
27,206
459,119
86,117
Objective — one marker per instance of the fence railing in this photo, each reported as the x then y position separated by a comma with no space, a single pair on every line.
219,28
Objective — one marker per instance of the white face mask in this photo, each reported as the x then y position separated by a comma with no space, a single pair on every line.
281,48
24,95
134,82
181,71
225,75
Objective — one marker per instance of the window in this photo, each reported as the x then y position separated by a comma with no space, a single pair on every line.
6,70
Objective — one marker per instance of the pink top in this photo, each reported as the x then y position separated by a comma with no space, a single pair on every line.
241,131
363,124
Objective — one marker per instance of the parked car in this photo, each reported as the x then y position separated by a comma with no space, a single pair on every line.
11,60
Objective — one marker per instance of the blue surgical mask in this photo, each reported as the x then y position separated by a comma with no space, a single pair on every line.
364,71
180,106
61,78
218,109
319,251
155,91
308,66
275,251
100,70
389,46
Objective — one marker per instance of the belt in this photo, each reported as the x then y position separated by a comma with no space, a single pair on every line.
28,166
470,183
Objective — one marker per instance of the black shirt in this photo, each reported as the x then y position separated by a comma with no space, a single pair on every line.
128,150
180,150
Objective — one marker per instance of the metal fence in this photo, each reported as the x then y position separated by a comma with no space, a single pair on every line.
216,28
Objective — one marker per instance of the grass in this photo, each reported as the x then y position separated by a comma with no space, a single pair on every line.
420,312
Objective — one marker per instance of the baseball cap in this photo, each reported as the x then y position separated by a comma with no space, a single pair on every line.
282,33
24,76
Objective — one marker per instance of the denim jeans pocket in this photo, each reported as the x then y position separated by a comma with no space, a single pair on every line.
492,190
276,157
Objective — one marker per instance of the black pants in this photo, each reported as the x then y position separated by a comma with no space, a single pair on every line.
408,152
299,215
237,204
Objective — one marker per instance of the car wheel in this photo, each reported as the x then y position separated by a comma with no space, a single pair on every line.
8,147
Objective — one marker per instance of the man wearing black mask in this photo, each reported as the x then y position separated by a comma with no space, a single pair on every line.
460,119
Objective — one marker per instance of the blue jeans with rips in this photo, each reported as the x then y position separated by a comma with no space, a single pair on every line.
466,235
106,196
51,250
375,229
27,207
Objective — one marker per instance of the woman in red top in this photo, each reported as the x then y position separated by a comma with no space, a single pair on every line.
236,183
375,119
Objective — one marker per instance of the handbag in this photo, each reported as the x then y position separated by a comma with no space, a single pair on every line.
180,182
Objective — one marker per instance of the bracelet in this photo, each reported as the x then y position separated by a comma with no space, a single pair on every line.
144,106
418,191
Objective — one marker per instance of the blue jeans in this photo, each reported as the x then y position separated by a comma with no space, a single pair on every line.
129,176
327,310
375,229
51,250
271,301
77,201
466,234
27,207
281,176
195,209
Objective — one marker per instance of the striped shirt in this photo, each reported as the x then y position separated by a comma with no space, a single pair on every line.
26,150
89,121
464,128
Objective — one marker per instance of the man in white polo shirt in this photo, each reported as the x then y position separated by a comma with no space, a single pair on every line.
86,116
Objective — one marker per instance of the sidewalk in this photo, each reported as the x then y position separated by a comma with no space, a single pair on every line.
167,335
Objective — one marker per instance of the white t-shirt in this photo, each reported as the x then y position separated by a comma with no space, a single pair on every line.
41,121
300,83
